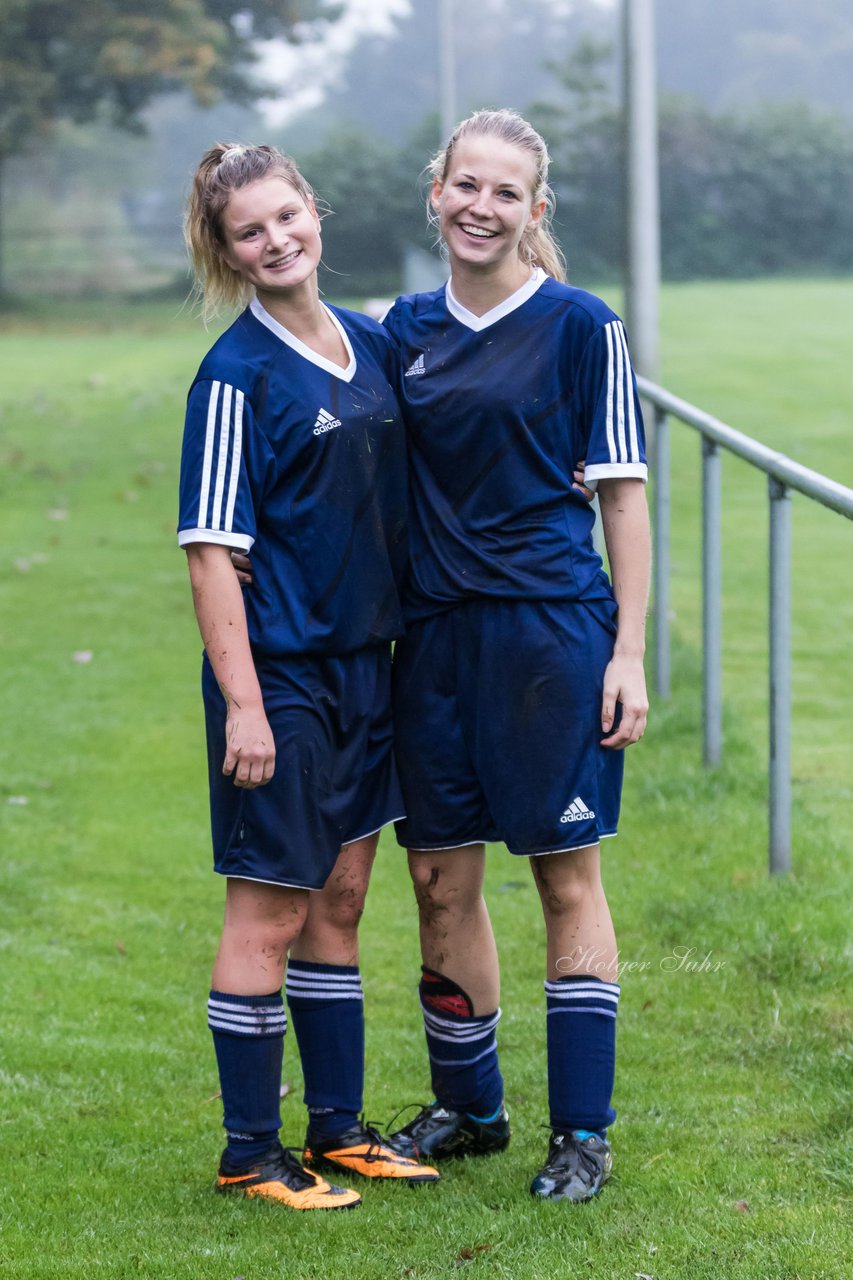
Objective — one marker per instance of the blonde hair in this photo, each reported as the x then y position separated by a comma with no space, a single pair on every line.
538,247
227,167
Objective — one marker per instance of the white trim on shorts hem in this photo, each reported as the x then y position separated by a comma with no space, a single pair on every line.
280,884
571,848
352,839
440,848
543,853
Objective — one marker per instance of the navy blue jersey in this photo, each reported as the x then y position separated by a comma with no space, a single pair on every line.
499,410
304,463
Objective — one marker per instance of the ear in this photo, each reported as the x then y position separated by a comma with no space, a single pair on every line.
536,212
435,194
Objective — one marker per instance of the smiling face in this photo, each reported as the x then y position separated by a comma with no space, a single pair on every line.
271,235
485,205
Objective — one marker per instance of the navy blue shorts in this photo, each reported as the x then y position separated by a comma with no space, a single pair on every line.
497,716
335,779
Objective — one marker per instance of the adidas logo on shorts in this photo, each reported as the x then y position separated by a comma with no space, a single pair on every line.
325,422
577,811
416,367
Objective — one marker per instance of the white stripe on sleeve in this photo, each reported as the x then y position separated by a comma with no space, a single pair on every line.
611,443
620,391
208,455
236,452
633,445
222,460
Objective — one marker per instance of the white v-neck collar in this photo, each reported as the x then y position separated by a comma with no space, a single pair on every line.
515,300
346,375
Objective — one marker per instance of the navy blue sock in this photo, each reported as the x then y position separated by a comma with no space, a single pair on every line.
327,1012
581,1052
248,1035
463,1051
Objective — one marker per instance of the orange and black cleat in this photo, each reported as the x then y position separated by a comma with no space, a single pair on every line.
362,1150
279,1176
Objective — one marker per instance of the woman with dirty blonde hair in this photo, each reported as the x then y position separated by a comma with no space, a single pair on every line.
520,678
293,448
537,246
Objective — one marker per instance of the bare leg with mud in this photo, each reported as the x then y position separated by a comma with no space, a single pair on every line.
459,994
456,932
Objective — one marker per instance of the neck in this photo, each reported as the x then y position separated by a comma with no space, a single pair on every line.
299,310
479,289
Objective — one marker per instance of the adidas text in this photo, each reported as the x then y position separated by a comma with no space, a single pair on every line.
577,812
325,422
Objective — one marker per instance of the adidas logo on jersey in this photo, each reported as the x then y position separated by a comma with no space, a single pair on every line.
325,422
577,811
415,368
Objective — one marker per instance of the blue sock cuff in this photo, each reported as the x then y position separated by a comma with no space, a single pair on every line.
269,1001
582,995
565,978
246,1015
487,1119
322,982
309,966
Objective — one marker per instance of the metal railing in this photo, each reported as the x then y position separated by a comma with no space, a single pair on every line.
783,475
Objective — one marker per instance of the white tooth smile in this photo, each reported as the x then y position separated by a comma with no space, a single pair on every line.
481,232
285,261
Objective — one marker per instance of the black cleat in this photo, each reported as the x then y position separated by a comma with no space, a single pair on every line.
437,1133
578,1166
362,1150
279,1176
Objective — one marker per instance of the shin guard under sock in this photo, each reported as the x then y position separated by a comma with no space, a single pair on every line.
248,1036
581,1052
327,1011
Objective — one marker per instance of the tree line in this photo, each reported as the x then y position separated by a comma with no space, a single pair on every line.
758,189
762,190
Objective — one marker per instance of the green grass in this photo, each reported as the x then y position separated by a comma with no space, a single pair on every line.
730,1151
772,359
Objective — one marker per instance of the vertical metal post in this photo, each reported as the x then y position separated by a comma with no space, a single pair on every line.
660,560
641,174
780,676
447,69
712,603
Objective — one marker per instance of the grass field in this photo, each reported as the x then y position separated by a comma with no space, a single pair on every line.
732,1157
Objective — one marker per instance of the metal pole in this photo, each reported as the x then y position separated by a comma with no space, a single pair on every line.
780,675
447,64
642,282
660,562
712,603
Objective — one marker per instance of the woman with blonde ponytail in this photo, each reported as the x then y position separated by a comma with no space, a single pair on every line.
520,678
293,448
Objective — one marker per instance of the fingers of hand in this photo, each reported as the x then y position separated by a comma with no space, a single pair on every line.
608,711
631,727
252,763
253,769
242,567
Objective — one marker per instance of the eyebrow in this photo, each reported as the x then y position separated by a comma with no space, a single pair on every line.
475,178
253,222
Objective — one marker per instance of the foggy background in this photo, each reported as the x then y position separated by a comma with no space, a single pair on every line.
756,143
